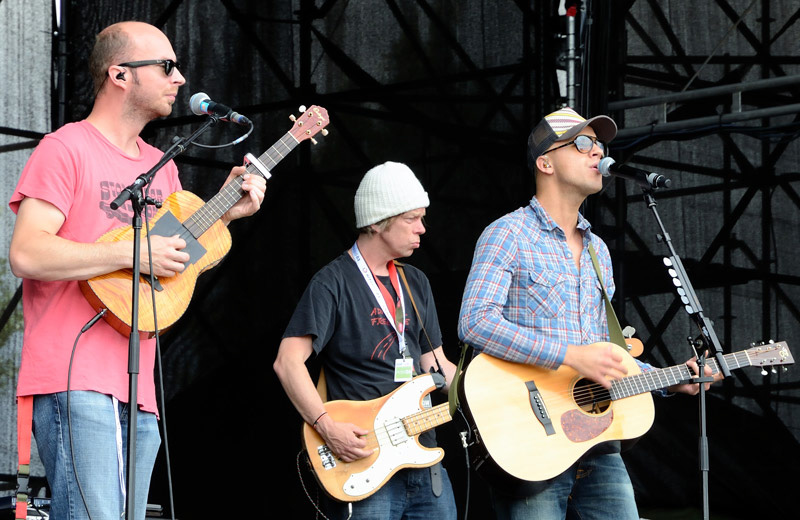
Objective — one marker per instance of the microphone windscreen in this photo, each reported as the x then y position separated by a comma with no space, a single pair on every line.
195,103
604,166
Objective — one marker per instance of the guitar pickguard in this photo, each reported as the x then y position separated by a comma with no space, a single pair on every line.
167,226
580,427
396,448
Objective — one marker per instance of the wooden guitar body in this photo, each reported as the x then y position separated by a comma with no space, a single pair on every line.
207,241
532,424
113,290
511,433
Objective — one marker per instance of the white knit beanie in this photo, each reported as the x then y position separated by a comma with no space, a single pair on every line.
387,190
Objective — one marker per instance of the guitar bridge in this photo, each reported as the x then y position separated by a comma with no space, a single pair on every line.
326,457
539,408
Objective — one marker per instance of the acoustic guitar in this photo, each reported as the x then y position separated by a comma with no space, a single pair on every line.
207,240
394,423
532,423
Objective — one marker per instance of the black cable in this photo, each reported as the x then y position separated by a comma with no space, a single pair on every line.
303,485
86,327
160,372
232,143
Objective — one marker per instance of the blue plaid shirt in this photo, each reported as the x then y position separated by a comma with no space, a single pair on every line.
525,300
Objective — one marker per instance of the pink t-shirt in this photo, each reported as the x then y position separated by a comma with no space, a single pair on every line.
80,172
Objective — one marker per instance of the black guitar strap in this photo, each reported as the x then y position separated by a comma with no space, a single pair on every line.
436,469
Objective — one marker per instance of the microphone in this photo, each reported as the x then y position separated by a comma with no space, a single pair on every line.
201,104
643,178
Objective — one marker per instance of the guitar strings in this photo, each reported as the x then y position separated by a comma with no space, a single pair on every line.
206,216
640,383
409,425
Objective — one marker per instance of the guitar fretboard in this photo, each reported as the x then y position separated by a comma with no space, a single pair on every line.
664,377
206,216
427,419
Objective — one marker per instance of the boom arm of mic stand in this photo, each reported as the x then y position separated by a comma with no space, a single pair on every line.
174,150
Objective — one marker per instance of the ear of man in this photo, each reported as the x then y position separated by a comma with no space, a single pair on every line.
543,164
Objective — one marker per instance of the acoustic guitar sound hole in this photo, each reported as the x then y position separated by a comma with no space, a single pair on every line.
591,397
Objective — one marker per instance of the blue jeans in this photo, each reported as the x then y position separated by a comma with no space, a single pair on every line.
94,429
406,496
595,488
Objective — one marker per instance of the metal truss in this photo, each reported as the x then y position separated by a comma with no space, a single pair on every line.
684,107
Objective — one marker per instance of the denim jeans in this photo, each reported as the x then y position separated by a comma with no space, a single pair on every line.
406,496
595,488
94,437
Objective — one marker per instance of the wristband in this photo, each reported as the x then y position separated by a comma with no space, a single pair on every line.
318,418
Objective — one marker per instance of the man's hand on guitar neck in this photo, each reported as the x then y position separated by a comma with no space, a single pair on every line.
694,388
601,362
256,188
344,439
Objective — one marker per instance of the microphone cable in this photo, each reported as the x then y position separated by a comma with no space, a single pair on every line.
85,328
226,145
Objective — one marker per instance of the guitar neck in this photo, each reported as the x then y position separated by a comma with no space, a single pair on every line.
427,419
232,192
664,377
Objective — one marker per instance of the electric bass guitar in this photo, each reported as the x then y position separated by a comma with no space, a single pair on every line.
207,240
532,423
394,422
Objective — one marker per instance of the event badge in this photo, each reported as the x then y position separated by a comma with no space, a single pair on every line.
403,369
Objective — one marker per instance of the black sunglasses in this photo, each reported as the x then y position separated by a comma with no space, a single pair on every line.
169,65
584,144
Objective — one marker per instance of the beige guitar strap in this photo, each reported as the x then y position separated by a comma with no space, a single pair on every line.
614,329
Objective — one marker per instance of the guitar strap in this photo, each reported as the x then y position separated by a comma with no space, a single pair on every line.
452,397
614,329
436,469
24,431
402,273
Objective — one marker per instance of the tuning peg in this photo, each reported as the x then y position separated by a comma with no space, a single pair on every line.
773,370
302,108
764,372
292,118
324,132
313,141
628,331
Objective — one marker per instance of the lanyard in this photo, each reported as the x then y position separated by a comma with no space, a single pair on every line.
381,294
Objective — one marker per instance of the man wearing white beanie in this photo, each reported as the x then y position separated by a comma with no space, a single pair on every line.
371,336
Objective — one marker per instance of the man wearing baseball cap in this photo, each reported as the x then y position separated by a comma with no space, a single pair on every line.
533,296
371,334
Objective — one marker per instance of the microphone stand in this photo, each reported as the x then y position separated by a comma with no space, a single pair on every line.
706,341
135,193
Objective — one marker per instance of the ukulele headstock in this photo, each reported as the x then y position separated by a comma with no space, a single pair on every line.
309,123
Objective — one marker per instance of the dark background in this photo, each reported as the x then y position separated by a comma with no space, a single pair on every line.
452,88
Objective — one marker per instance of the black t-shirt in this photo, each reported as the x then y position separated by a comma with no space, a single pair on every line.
356,343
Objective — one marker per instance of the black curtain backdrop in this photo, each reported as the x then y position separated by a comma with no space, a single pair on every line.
450,88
